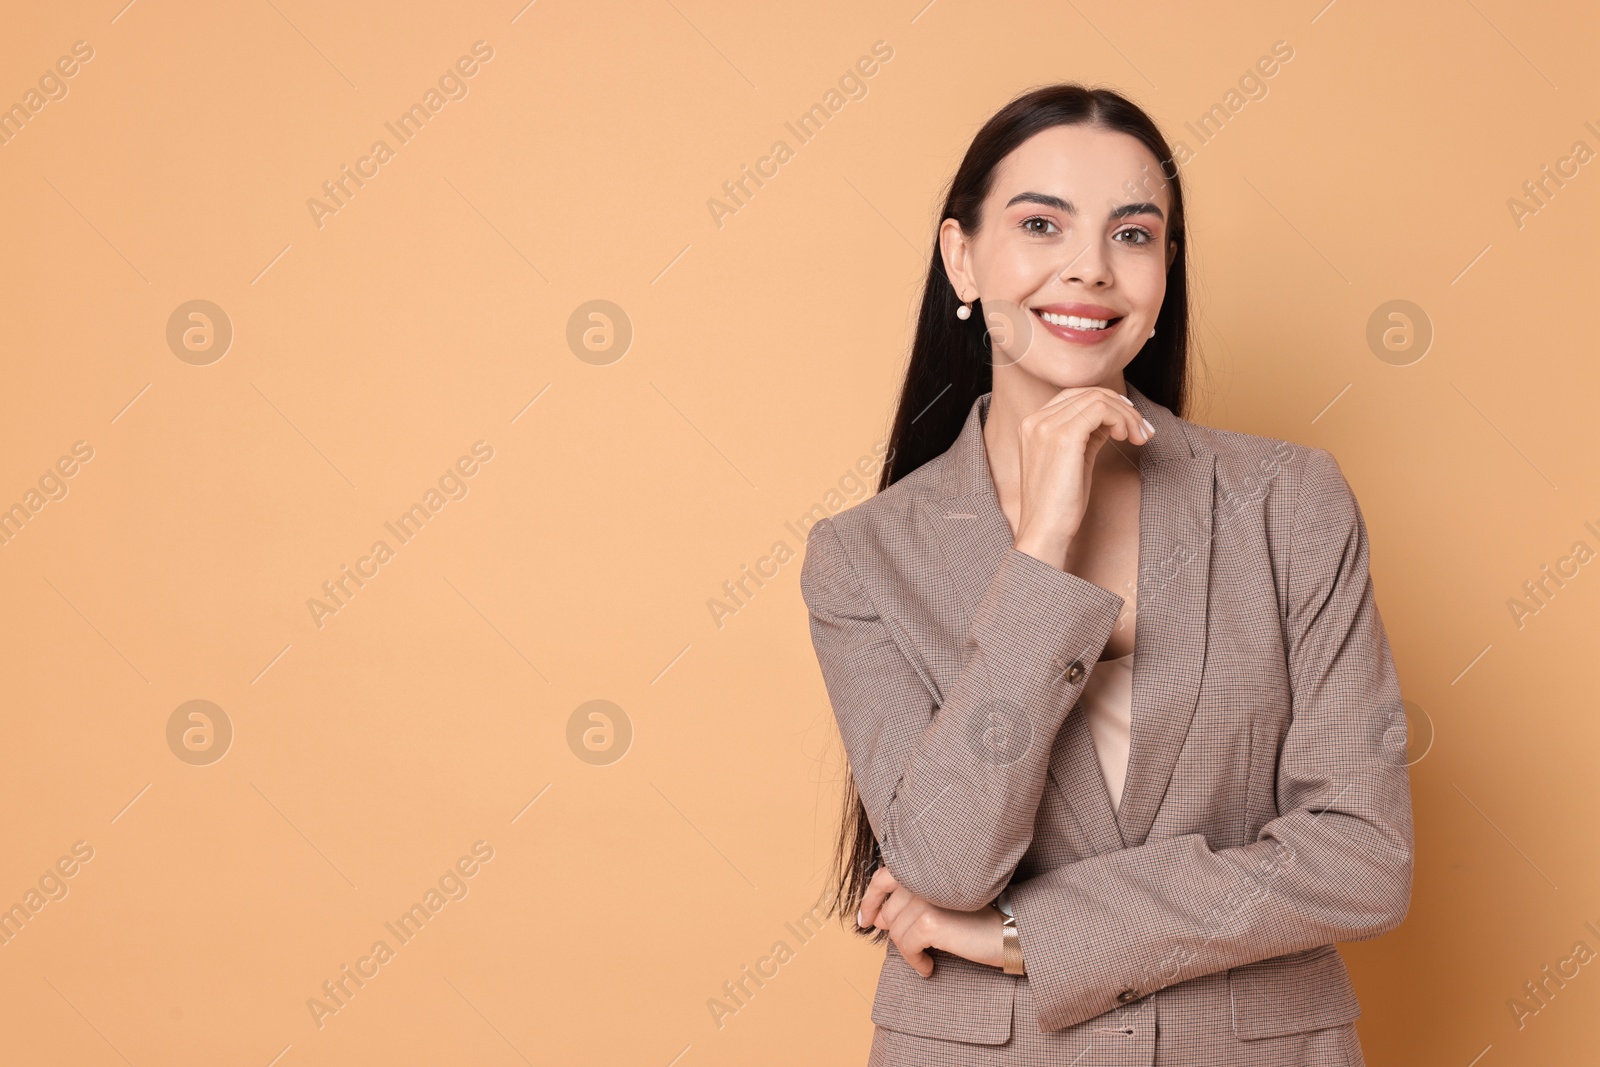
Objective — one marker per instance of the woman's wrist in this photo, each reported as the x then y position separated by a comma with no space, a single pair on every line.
972,935
1046,549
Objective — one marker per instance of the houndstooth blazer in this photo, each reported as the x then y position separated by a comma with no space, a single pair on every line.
1267,808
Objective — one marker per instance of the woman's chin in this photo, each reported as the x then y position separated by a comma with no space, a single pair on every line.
1067,370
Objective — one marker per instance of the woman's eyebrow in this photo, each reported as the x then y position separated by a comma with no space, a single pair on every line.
1067,207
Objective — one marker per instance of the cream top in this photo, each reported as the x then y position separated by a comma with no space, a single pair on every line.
1107,701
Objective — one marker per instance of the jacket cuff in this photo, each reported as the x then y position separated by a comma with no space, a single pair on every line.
1035,610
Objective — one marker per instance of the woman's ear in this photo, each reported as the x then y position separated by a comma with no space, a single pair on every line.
1172,253
956,252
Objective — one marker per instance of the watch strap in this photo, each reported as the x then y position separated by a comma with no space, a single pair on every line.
1011,944
1011,949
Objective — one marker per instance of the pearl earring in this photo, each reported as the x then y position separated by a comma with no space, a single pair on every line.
1152,333
964,312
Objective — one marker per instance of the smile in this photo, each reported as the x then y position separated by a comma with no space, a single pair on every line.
1074,322
1078,329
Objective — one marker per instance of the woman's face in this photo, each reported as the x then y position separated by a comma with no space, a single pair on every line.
1071,258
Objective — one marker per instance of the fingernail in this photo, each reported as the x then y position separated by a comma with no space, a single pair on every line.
859,922
1147,427
1126,399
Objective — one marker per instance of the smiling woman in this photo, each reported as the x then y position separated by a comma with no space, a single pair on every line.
1133,824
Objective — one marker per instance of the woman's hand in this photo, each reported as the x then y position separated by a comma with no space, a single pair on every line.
914,925
1057,446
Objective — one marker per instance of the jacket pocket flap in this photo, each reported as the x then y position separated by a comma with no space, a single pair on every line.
1288,994
961,1001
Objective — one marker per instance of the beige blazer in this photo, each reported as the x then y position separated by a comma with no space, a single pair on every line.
1267,808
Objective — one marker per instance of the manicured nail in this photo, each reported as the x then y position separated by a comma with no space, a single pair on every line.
859,921
1147,427
1126,400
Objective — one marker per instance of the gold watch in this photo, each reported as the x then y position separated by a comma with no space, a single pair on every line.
1010,946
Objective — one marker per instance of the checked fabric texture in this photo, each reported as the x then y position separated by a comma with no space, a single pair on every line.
1267,809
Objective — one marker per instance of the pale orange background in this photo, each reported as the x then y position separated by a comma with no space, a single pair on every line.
432,710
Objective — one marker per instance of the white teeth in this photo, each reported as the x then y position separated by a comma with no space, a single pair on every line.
1073,322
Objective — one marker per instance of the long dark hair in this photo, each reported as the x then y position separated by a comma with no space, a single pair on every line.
950,365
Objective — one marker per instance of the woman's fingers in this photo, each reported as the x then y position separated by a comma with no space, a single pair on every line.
1085,410
897,902
890,906
878,889
905,916
1091,408
911,930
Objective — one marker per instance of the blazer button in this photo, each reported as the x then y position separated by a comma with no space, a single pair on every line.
1075,671
1127,996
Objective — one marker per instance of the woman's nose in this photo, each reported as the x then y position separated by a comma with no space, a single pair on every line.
1088,265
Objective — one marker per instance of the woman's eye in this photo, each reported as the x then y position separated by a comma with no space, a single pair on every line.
1144,236
1027,224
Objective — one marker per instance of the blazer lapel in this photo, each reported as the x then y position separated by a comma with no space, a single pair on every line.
969,529
1169,642
972,535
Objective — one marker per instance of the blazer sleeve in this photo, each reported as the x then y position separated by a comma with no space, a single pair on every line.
1334,865
952,791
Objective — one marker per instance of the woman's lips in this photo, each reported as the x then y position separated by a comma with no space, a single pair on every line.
1078,337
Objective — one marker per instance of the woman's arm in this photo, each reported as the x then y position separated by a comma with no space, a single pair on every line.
914,925
1335,865
952,791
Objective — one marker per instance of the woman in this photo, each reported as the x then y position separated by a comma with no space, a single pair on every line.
1127,749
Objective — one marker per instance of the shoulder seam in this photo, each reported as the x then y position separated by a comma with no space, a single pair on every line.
1311,454
847,566
902,640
